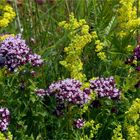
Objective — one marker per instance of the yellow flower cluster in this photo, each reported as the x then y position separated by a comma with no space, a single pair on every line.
8,135
132,121
101,55
117,135
93,129
73,23
133,132
79,39
99,46
3,37
127,17
7,14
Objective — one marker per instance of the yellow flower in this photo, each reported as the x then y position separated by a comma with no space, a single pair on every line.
117,134
127,17
85,29
8,134
94,34
101,55
131,121
74,50
93,128
3,37
98,48
8,15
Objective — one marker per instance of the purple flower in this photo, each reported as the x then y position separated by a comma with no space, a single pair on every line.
59,109
79,123
138,68
69,90
35,60
137,85
40,92
130,60
4,119
33,73
105,87
137,52
16,53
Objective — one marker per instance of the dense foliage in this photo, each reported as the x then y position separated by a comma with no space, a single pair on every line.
69,70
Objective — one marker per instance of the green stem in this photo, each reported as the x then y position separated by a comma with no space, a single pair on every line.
18,19
69,121
67,5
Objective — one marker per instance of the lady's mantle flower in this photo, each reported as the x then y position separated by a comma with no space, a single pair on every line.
7,14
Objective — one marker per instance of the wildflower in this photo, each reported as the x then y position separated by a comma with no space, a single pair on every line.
6,136
138,68
85,29
33,73
92,127
105,87
117,134
35,59
69,90
4,36
132,118
94,34
4,119
137,52
79,39
17,53
59,109
127,17
40,92
99,46
129,60
2,61
8,15
79,123
101,55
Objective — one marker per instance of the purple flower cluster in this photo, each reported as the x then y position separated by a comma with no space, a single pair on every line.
35,59
69,90
136,56
79,123
59,110
105,87
40,92
17,53
137,52
4,119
